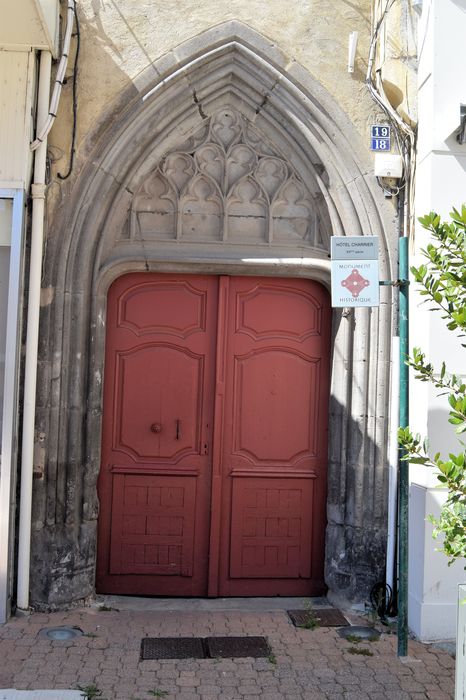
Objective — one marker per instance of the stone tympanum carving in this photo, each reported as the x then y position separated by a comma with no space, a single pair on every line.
225,184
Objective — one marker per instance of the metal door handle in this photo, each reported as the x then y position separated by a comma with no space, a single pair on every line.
178,429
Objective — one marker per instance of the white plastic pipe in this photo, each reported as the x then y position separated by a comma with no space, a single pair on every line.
352,45
32,339
394,421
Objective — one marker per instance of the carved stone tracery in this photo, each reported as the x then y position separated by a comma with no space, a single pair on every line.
226,184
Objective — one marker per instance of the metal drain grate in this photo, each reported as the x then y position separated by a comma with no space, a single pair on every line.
237,647
325,617
172,648
199,648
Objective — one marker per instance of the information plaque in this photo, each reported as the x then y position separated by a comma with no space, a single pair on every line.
355,271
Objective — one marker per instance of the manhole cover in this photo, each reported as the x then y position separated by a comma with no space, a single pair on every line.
359,633
323,617
172,648
237,647
60,633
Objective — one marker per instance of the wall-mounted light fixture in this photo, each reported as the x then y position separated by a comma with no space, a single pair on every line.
352,44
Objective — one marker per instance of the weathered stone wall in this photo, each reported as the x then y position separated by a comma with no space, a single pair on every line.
151,76
120,41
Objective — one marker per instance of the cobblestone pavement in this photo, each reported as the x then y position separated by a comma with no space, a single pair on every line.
304,664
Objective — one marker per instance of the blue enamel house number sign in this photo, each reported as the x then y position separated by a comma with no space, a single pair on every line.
380,137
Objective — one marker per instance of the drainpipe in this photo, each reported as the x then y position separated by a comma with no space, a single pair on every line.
393,446
393,466
403,484
30,378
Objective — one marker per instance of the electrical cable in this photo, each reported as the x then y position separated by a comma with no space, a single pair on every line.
406,140
381,598
59,78
75,97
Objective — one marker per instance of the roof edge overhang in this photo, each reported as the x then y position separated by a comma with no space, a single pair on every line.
30,24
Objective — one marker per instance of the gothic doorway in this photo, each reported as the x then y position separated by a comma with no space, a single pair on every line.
252,177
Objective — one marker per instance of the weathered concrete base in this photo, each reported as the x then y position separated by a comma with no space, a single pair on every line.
355,561
63,563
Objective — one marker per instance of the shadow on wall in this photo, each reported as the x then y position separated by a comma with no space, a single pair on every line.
104,89
356,537
442,436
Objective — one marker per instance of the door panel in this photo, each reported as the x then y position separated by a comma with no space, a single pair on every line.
213,477
171,425
271,388
271,528
274,454
155,478
153,525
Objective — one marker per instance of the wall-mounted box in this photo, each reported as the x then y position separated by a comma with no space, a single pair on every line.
388,165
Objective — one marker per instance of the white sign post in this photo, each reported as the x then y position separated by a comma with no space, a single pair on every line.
355,271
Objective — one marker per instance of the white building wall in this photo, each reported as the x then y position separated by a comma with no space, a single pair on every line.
32,23
440,186
17,85
432,584
16,88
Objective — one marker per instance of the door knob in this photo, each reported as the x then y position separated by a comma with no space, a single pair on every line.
156,427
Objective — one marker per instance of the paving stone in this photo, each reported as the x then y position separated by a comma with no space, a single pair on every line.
208,690
228,681
40,695
187,682
249,690
230,693
310,665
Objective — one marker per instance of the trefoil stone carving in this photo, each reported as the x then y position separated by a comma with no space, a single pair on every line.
226,185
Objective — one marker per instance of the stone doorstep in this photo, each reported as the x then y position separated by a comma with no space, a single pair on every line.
11,694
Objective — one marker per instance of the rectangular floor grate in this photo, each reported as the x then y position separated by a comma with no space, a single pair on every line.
203,648
323,617
237,647
172,648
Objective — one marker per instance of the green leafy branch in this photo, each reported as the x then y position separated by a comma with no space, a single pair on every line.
442,278
442,281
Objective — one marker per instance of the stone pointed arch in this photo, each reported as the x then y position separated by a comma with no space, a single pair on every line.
283,113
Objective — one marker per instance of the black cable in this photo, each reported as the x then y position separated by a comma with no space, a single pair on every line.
381,597
75,95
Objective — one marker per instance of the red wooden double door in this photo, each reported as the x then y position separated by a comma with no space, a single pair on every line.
214,459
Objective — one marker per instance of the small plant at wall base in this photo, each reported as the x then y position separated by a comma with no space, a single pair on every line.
442,281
